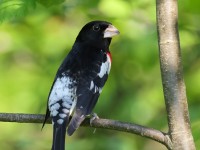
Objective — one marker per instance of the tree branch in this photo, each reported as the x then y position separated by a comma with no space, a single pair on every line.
172,75
150,133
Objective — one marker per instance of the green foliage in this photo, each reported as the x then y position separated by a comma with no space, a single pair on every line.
34,44
48,3
13,9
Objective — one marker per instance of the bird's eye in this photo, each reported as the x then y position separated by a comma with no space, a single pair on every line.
96,28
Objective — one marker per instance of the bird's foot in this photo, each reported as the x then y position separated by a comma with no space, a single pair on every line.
93,116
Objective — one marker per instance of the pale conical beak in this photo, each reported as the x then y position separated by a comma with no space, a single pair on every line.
110,31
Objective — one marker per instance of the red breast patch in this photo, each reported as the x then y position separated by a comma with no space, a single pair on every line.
110,56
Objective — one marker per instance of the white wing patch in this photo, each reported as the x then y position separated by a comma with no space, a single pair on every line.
60,121
60,90
94,88
62,97
91,85
54,113
105,67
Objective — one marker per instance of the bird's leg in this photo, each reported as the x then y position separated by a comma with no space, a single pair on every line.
93,116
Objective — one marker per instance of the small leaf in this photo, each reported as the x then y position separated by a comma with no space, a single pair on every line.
12,9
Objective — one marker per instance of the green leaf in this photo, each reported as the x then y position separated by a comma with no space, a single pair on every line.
12,9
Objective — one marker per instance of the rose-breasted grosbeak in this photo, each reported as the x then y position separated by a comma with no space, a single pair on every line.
79,80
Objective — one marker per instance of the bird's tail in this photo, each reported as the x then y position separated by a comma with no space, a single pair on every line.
59,132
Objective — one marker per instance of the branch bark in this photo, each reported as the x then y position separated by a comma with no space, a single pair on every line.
172,75
150,133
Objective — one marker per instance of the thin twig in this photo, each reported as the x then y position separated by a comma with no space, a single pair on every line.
150,133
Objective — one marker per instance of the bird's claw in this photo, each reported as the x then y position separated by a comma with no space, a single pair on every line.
93,116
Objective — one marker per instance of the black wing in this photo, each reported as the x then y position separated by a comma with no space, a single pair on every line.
89,88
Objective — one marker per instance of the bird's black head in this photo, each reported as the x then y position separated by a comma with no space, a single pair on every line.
97,33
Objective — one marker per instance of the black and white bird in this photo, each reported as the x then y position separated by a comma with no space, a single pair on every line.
79,80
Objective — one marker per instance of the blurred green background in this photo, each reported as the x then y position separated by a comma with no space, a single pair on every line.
36,36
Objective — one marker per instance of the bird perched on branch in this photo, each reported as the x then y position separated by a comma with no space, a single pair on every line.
79,80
